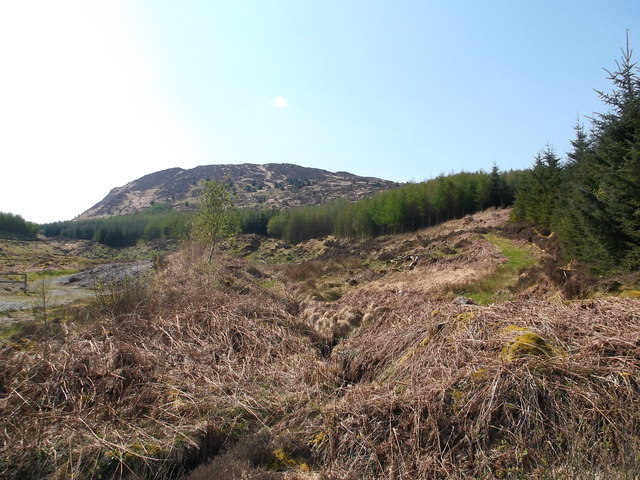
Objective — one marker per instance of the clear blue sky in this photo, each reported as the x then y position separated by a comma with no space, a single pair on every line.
94,94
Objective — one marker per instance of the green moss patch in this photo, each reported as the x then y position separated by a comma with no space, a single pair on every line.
525,343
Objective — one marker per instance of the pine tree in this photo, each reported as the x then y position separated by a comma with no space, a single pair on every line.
577,202
497,188
539,193
599,218
611,175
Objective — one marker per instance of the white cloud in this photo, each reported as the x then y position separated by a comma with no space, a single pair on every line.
280,102
81,111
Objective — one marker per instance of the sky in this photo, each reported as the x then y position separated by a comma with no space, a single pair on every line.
95,94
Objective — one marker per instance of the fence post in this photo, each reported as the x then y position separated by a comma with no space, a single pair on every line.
15,274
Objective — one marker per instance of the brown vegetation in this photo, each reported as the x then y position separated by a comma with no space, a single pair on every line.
450,397
260,372
187,363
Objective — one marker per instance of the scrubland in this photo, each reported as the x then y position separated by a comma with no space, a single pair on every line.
460,351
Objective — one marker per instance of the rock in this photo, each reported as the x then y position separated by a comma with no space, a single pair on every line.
463,301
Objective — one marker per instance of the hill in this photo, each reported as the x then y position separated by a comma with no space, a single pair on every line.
270,185
462,350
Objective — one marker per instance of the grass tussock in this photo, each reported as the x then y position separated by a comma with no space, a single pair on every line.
461,392
315,269
259,456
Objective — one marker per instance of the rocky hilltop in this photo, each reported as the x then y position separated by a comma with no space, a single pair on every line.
272,185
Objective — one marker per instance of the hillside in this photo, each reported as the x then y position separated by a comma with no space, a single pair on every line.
270,185
458,351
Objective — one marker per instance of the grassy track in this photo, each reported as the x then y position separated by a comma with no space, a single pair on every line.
496,287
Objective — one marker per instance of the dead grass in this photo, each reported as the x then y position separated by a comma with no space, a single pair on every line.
154,385
245,373
429,394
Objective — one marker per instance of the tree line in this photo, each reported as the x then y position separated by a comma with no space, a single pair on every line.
15,226
592,200
156,222
412,206
159,221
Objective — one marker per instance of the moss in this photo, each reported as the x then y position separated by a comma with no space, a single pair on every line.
284,461
137,449
457,397
513,329
425,340
479,374
526,344
317,439
137,457
463,320
465,317
631,294
26,344
174,397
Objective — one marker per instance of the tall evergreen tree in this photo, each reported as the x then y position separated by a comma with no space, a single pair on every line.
609,174
497,188
597,215
538,195
579,219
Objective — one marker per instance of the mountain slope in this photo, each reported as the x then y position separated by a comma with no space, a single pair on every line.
272,185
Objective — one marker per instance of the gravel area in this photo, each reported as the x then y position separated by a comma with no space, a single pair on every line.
106,274
14,303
